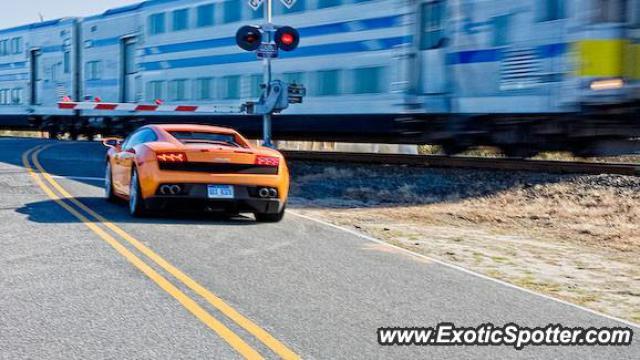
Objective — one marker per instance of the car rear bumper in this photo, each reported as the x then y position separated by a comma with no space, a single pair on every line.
152,178
194,197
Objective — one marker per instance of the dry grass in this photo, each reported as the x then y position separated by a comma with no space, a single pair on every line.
31,134
572,237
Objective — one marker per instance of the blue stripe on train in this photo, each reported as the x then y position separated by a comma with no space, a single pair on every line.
14,77
494,55
315,50
16,65
344,27
101,83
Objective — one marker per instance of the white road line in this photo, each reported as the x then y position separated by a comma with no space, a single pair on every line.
87,178
456,267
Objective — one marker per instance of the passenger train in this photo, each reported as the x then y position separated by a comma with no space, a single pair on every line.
527,74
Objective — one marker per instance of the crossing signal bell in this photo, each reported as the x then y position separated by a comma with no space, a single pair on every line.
287,38
249,38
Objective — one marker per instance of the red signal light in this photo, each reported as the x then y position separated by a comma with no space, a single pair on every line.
287,38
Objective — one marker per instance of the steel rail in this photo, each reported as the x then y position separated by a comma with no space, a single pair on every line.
442,161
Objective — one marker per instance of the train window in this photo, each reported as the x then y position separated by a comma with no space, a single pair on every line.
432,17
610,11
255,81
155,90
130,67
17,96
501,30
93,70
203,89
328,82
178,90
55,72
206,15
230,87
549,10
328,3
4,47
16,45
369,80
180,19
232,11
635,14
3,96
66,60
157,23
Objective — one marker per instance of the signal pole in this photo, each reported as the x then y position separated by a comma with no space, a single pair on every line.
266,41
266,62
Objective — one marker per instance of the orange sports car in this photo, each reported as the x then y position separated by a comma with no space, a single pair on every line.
170,166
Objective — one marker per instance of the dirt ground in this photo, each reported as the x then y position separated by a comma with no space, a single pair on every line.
573,237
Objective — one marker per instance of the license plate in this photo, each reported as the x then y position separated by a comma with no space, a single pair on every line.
220,191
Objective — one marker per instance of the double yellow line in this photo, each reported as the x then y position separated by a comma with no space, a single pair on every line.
93,221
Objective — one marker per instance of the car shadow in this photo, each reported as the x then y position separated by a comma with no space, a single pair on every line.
48,211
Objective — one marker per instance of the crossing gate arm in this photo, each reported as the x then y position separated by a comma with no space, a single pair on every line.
130,107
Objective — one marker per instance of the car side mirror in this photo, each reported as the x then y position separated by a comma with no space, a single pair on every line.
112,143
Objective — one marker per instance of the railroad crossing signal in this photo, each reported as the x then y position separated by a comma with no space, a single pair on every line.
249,38
288,3
267,51
266,40
287,38
295,93
255,4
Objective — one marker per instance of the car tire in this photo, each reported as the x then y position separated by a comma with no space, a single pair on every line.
136,202
270,218
108,184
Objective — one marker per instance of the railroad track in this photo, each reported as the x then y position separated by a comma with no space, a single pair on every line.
441,161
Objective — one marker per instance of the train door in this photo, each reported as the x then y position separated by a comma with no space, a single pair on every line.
431,43
36,77
129,70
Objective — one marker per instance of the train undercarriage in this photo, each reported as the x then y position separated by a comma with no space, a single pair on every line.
592,132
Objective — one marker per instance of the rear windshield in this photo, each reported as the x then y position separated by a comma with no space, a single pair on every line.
191,137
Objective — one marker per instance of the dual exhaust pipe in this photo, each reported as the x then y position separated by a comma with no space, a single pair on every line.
263,193
267,193
170,189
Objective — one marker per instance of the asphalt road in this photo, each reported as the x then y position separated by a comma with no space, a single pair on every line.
297,287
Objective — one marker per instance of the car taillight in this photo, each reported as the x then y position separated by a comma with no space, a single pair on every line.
267,160
172,157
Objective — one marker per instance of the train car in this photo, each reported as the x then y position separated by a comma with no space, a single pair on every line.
38,65
519,75
551,56
185,51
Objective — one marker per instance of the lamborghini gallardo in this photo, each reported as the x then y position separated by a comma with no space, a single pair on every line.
196,167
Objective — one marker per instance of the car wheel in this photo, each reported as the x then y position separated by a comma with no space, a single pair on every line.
270,218
108,184
136,203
